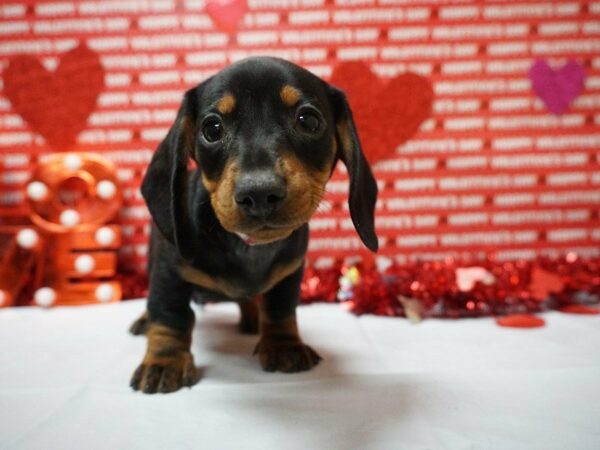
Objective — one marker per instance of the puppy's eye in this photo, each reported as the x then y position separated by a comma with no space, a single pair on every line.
309,121
212,130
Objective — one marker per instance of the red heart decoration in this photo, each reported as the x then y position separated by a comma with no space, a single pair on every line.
226,14
386,114
56,104
520,321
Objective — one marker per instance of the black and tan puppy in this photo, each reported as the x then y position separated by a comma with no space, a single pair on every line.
265,136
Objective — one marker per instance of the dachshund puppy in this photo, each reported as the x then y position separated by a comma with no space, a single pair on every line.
264,136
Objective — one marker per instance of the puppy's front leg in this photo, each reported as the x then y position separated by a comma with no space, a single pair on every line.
168,363
280,347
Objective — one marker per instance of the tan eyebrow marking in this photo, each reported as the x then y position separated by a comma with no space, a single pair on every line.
226,104
289,95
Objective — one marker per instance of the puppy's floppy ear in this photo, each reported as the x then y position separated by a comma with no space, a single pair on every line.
165,187
363,188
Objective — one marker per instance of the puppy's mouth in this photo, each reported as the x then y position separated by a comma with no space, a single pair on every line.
265,235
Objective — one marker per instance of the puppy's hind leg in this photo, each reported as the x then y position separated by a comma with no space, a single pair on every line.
248,317
140,326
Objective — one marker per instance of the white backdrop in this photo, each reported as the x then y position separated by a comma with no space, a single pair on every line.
383,384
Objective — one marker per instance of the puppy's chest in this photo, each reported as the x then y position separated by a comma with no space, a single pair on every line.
239,278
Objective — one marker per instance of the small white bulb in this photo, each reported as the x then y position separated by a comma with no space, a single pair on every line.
44,297
105,292
106,189
3,296
72,162
36,191
84,264
27,238
69,218
105,236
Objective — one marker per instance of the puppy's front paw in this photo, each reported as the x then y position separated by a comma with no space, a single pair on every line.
285,356
165,374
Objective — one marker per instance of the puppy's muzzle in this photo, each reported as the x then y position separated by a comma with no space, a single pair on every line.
260,194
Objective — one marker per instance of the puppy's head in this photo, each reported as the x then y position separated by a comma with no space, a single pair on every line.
266,135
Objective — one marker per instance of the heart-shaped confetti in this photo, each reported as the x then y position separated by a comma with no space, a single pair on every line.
520,321
579,309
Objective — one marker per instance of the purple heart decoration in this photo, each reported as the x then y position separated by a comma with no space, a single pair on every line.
557,88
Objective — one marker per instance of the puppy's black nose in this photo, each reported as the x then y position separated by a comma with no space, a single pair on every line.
260,194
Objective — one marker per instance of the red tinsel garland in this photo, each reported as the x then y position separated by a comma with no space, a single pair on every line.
431,289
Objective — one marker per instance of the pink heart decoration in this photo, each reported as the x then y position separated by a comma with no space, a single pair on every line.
557,88
226,14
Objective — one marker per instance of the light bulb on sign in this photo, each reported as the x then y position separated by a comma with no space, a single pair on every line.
105,236
105,293
36,191
44,297
69,218
72,162
27,238
84,264
106,189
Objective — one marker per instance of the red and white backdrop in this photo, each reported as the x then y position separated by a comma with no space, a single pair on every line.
481,118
